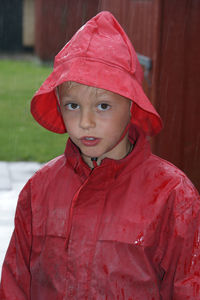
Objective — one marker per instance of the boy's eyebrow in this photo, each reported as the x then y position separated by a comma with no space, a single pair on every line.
68,97
101,92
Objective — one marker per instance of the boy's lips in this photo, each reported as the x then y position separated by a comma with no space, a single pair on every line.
89,140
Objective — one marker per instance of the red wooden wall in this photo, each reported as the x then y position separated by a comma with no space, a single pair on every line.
177,88
56,22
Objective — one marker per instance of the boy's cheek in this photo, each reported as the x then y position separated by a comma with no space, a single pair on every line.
69,121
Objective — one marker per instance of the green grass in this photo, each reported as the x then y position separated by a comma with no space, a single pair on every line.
21,138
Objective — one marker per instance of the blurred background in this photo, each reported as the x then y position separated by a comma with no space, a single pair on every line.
166,36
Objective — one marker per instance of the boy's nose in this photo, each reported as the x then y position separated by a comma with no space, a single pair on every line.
87,120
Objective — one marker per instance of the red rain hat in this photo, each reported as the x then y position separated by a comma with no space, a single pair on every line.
101,55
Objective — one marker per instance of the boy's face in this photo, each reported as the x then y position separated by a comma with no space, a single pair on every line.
95,119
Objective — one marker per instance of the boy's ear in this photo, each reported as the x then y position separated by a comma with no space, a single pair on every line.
56,90
58,108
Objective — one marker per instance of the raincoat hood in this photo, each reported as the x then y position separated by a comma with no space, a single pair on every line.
100,55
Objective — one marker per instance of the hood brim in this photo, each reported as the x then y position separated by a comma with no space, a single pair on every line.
95,73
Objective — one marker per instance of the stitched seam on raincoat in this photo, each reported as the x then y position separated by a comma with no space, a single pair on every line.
71,210
31,246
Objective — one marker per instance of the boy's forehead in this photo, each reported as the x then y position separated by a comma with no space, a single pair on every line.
75,90
71,86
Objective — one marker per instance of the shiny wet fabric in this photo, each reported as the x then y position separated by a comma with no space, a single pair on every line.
127,229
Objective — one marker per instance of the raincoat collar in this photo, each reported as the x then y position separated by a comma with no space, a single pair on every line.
113,168
100,55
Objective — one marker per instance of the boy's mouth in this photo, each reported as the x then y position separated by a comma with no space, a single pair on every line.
89,140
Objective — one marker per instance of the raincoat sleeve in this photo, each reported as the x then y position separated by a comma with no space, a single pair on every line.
15,283
181,259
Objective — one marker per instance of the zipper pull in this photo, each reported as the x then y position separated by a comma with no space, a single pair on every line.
94,161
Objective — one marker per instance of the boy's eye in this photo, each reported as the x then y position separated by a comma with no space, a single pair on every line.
72,106
103,106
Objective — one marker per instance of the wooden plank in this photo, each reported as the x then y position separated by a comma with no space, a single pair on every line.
178,86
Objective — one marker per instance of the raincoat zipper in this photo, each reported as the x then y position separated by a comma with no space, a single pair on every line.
69,226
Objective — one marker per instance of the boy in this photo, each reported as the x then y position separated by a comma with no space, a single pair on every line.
106,220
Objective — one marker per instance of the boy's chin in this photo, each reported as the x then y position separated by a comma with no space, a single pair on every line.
90,156
101,154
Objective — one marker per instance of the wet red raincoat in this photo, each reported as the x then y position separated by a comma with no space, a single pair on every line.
128,229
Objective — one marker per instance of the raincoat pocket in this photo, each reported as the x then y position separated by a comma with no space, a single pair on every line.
134,242
131,233
124,257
